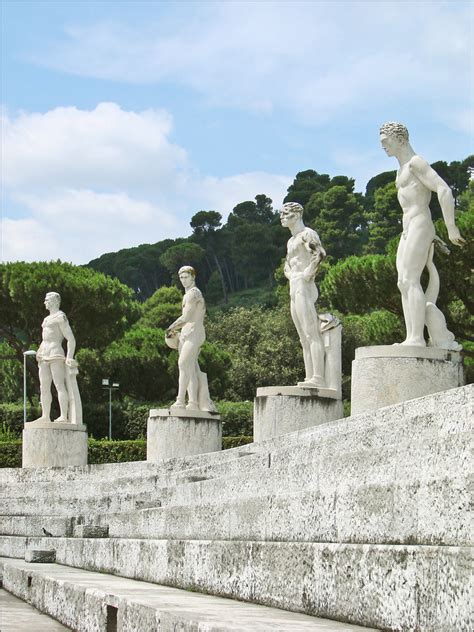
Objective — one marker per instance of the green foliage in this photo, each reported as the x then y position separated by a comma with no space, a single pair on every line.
161,309
338,217
11,375
104,451
361,284
137,267
10,453
184,254
99,308
237,418
261,344
305,184
11,415
385,220
379,327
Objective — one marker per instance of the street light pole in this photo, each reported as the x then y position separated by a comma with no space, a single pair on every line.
30,352
106,385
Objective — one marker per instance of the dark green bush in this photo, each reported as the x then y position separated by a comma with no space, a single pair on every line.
237,418
105,451
10,453
11,415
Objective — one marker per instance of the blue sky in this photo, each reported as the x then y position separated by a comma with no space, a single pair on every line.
120,120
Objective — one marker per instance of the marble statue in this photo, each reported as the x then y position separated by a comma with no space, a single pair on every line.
57,367
304,254
187,334
415,182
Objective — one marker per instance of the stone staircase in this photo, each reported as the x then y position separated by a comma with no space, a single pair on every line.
362,520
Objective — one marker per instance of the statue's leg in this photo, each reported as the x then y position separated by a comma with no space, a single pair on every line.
58,371
45,391
308,364
411,259
312,333
186,365
193,387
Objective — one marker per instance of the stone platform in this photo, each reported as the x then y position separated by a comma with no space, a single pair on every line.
54,444
180,432
363,520
388,374
282,409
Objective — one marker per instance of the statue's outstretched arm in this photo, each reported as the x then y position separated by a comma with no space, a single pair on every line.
432,181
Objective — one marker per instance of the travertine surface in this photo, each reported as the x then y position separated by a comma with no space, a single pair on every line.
363,519
169,436
47,444
275,415
387,375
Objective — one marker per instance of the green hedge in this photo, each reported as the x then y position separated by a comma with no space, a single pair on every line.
104,451
129,418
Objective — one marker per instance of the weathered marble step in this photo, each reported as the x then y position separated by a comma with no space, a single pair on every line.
353,512
136,483
420,458
17,615
454,405
89,602
383,586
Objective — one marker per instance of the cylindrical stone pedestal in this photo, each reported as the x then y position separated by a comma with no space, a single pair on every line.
54,444
389,374
170,434
282,409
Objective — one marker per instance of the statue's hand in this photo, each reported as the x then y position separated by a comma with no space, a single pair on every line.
70,362
455,236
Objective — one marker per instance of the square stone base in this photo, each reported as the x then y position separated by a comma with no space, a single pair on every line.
282,409
171,434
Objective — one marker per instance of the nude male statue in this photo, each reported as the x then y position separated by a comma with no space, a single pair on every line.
191,337
51,359
304,254
415,181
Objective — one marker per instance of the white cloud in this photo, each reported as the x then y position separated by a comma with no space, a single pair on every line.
100,147
90,182
312,58
27,240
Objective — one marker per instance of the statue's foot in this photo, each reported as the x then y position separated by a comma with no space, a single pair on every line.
192,406
414,342
62,420
178,404
314,382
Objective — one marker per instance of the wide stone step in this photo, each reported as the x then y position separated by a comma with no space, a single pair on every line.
17,615
372,457
90,602
451,409
391,587
375,513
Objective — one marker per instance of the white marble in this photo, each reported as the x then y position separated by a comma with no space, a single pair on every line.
320,336
299,391
386,375
177,435
187,334
289,410
415,182
52,444
56,367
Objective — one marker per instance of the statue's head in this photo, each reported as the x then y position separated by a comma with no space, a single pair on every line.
52,299
188,270
289,212
187,274
393,135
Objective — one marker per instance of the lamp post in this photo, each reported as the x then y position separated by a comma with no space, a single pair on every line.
108,386
30,352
